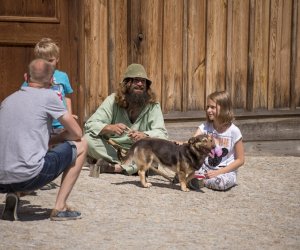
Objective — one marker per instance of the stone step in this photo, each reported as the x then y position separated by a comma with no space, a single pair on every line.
263,129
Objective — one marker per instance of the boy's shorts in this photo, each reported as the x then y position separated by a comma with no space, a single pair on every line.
57,160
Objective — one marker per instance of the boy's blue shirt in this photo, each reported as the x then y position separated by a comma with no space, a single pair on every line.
62,87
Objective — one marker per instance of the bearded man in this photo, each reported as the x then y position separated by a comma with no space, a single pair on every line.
130,114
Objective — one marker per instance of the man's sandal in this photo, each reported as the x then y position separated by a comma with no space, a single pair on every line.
105,167
68,214
49,186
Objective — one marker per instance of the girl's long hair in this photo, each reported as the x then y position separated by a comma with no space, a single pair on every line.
222,98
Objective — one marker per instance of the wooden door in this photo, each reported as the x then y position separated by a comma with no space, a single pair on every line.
25,22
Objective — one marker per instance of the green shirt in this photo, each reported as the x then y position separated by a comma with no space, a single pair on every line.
150,121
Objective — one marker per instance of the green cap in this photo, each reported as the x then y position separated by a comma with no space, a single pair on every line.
136,70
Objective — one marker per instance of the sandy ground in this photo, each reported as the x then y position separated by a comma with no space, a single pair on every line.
262,212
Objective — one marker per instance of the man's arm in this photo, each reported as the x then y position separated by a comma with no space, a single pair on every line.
101,118
69,104
72,131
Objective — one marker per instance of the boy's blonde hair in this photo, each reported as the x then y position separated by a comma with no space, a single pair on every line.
222,98
46,48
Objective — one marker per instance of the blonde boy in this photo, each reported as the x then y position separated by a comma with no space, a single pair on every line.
48,50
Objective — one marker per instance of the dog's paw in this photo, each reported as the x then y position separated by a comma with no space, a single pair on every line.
147,185
185,189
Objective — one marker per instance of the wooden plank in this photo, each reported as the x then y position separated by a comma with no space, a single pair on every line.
172,55
194,84
297,78
93,53
96,75
102,64
146,39
251,37
229,49
30,11
116,50
45,8
137,31
237,51
79,39
27,34
118,42
294,54
151,44
12,80
87,63
239,114
279,55
260,53
185,91
295,81
111,50
102,32
74,56
216,45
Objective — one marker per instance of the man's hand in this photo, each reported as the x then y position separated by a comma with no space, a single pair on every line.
118,129
136,135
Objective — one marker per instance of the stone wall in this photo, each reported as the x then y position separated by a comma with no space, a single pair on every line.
262,129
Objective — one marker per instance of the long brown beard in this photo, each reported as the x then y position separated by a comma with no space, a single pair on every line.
137,100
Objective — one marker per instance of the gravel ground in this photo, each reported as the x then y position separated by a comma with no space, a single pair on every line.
261,212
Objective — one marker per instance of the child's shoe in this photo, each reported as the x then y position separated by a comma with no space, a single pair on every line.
197,182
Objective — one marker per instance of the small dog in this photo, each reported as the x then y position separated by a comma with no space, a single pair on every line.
183,159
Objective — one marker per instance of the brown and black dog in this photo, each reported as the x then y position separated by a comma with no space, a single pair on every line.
183,159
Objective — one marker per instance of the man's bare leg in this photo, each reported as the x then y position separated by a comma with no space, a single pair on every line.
70,176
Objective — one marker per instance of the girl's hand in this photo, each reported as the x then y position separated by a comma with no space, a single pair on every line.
212,174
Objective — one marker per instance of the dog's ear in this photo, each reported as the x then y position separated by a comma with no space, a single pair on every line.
202,141
210,141
197,138
192,140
